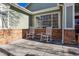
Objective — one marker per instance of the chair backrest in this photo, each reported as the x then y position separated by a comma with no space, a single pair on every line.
49,30
32,30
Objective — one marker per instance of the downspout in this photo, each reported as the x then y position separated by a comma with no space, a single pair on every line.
63,22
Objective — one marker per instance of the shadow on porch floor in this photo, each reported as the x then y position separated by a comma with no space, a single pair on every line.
56,42
33,48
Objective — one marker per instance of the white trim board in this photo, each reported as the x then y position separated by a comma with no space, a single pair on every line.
21,8
46,10
35,12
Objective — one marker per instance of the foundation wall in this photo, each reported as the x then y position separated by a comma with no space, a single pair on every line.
24,33
77,38
9,35
56,33
69,37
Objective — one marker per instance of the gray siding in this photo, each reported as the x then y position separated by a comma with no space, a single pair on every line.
39,6
30,21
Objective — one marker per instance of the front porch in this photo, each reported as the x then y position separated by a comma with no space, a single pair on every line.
24,47
63,29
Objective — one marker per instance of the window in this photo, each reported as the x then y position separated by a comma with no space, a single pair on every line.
55,20
76,21
69,17
44,21
49,20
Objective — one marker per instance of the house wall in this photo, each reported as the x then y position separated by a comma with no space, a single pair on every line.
34,20
77,38
23,22
56,33
18,21
9,35
68,23
24,33
21,19
77,21
14,18
69,37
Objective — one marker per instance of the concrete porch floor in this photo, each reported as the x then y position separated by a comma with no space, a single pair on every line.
24,47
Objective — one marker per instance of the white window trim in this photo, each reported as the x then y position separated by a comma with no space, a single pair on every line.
59,24
73,16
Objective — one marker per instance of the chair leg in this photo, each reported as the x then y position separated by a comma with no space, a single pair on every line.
41,38
47,40
26,37
32,37
51,40
29,37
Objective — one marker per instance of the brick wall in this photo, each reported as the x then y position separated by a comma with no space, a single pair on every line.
69,37
56,33
24,32
77,38
9,35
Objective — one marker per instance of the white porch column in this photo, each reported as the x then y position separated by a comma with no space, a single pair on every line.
68,21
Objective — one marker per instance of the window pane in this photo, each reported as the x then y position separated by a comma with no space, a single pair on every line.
45,21
69,17
55,20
